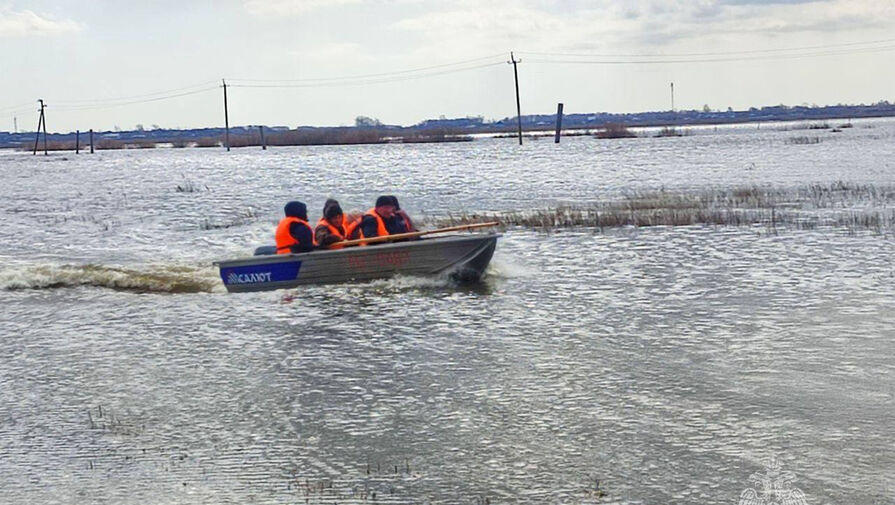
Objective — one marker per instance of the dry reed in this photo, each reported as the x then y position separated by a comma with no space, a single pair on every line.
669,131
850,206
615,131
803,140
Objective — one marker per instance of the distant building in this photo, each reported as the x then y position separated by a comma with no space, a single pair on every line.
457,123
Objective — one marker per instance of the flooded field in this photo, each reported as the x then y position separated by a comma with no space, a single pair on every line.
596,363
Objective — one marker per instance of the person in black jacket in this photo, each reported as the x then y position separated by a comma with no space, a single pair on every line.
400,222
374,221
294,234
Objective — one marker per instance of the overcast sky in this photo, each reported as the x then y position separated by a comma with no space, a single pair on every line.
91,60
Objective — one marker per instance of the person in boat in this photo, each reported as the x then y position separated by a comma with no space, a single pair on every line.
373,222
334,226
294,234
401,222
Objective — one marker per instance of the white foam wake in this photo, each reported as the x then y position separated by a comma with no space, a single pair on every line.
145,279
409,283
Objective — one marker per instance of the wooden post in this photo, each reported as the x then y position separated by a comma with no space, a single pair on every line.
91,141
558,123
263,144
514,61
77,141
672,97
226,118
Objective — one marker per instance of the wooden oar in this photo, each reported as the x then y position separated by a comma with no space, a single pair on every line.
401,236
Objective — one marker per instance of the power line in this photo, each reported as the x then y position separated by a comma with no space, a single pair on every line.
132,102
851,48
383,77
464,65
25,106
720,53
351,80
715,60
135,97
368,76
75,105
10,113
367,81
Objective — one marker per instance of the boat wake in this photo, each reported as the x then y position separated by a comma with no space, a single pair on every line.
505,268
150,279
409,283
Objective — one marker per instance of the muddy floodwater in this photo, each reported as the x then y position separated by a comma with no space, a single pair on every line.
628,365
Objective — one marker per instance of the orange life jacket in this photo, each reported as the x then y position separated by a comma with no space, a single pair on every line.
337,231
285,240
381,230
408,224
350,227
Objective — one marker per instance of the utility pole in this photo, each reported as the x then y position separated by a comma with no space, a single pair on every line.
42,106
514,61
263,144
672,97
226,118
15,124
41,121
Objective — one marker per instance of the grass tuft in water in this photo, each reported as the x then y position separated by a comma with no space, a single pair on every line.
615,131
669,131
188,186
245,216
803,140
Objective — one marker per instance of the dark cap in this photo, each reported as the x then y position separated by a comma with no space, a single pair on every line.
394,200
296,209
331,209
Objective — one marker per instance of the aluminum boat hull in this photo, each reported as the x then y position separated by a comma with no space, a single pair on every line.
463,257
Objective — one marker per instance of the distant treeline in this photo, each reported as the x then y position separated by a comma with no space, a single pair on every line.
243,137
441,130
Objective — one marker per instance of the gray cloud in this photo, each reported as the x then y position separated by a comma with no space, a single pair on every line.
291,7
27,23
769,2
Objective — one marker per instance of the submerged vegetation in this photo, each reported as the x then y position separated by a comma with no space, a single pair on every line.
850,206
346,135
188,186
803,140
615,131
669,131
241,217
300,137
